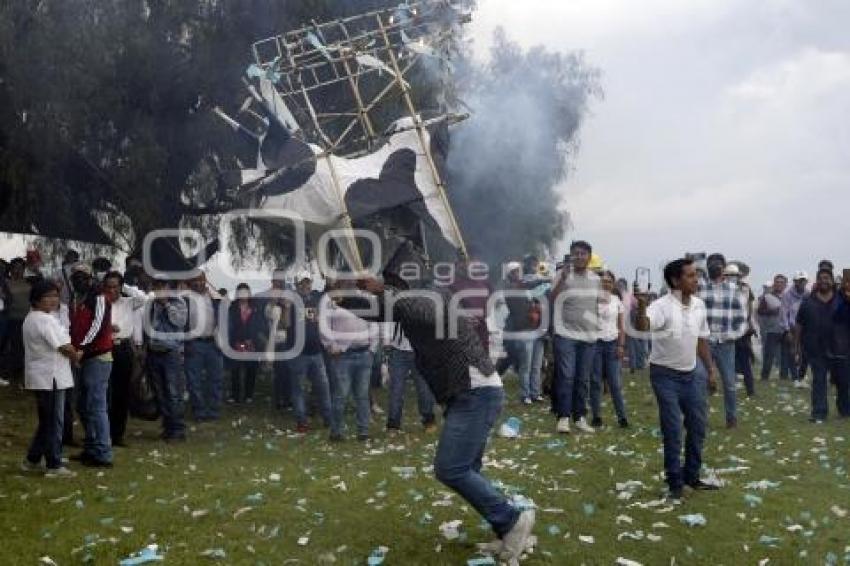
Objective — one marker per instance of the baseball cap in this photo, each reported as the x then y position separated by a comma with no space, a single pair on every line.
81,267
302,275
801,275
732,270
513,266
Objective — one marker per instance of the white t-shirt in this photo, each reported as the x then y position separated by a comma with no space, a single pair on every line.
609,314
43,336
676,329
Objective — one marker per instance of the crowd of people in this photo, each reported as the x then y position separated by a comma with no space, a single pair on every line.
88,339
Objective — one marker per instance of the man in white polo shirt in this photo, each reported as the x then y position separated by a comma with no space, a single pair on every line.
680,333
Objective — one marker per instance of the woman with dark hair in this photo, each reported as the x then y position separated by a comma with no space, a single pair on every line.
610,348
246,336
48,373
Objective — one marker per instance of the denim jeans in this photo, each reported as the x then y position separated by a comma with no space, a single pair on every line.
787,368
771,351
723,354
164,372
535,377
469,418
119,390
840,371
353,375
744,363
47,441
204,378
282,390
573,365
521,353
402,365
312,366
681,395
606,367
636,349
98,444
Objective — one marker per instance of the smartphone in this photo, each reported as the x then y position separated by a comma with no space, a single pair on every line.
642,280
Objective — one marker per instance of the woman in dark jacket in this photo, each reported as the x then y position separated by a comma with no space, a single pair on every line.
246,326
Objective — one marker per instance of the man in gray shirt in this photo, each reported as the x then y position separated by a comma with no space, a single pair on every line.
772,323
575,297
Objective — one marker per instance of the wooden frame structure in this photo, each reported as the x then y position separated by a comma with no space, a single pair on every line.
369,55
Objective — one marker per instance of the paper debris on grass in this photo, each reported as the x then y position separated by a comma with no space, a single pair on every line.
838,511
274,477
147,554
214,553
483,561
752,500
626,562
377,557
451,529
768,540
762,485
694,520
47,561
624,519
304,540
587,539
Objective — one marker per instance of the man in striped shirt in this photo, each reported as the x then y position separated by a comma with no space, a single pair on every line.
727,321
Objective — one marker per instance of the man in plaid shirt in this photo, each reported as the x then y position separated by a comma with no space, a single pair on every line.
727,318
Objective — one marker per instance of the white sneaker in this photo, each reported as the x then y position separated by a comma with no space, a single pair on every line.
513,543
376,409
582,425
27,466
62,472
527,401
563,425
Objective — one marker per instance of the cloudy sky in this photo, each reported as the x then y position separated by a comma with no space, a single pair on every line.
725,126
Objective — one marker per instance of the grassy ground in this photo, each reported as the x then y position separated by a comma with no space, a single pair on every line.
248,487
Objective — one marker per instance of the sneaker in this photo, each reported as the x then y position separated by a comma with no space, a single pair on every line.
513,543
394,430
674,496
816,420
302,429
526,401
430,427
732,423
92,463
582,425
596,422
376,409
231,400
27,466
700,485
563,425
540,399
62,472
336,438
363,437
624,422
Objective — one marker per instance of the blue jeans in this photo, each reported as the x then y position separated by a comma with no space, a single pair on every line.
97,444
840,371
402,364
573,365
771,350
469,418
724,358
636,349
312,366
353,375
164,372
534,376
204,378
681,394
47,441
521,353
606,367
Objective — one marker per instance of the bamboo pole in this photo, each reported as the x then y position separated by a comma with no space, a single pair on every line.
417,121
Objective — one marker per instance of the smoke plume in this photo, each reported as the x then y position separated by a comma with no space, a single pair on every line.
506,161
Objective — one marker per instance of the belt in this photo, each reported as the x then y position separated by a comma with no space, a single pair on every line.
356,350
160,349
203,339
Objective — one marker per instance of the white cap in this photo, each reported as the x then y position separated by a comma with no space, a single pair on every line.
732,270
513,266
302,275
801,275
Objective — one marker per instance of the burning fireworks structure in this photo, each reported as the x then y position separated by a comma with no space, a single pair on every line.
360,157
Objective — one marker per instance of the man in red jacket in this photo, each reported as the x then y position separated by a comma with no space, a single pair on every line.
91,331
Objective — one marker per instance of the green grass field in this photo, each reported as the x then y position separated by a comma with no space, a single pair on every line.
248,487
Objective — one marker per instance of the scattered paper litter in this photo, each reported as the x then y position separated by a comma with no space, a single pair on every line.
147,554
451,529
304,541
47,561
588,539
376,558
838,511
762,485
693,520
626,562
214,553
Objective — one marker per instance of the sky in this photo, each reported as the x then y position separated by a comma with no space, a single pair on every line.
725,126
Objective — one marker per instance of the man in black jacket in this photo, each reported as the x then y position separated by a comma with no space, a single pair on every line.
462,377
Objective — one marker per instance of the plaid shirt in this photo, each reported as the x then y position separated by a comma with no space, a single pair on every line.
724,305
